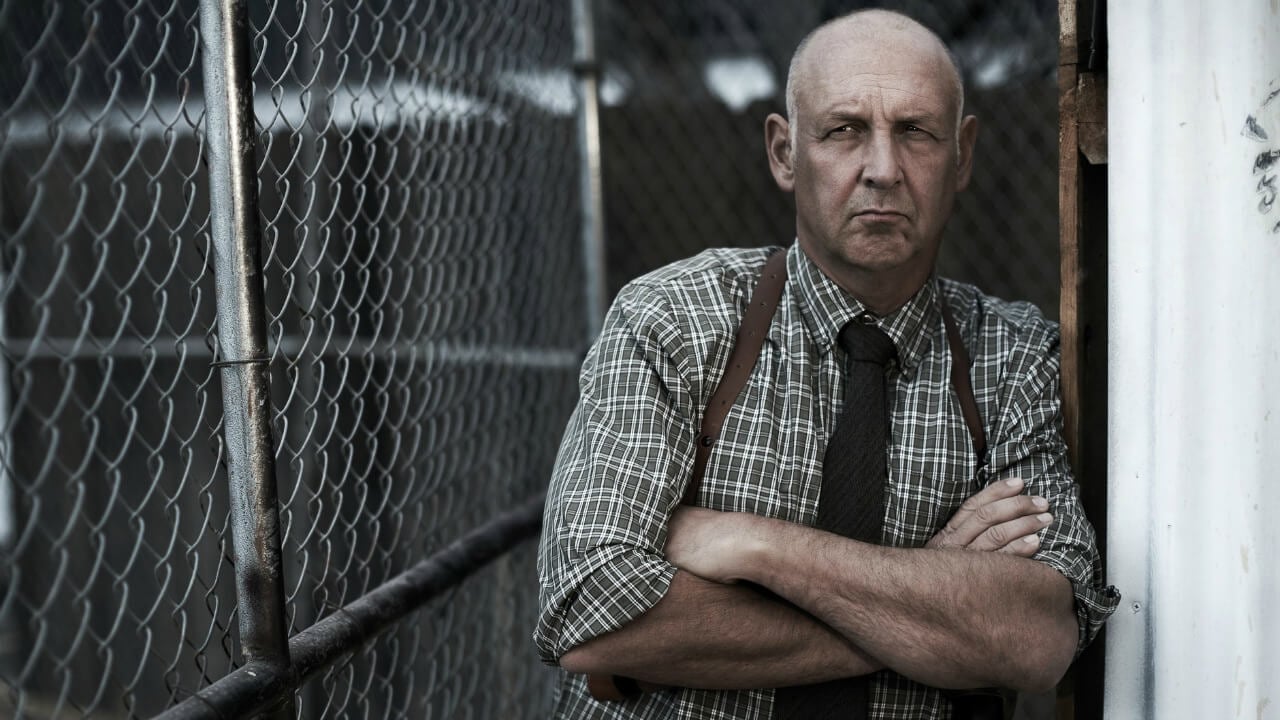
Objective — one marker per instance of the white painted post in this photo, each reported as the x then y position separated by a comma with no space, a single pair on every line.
1194,359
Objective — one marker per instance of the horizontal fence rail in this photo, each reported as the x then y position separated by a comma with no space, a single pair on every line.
255,686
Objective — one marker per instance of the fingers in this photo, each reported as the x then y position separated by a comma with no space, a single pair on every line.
1025,546
961,528
1017,536
998,517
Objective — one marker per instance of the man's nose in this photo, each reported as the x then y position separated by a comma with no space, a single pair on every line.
881,168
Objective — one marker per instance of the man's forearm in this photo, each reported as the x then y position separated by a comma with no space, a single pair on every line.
948,618
708,635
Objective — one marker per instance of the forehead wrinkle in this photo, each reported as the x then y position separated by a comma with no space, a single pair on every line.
888,84
906,102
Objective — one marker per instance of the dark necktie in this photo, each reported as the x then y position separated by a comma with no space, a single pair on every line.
852,501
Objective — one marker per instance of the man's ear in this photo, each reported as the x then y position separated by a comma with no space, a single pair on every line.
777,144
966,141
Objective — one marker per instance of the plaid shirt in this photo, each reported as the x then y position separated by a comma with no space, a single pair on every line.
628,450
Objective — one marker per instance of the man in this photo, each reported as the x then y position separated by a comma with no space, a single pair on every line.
874,147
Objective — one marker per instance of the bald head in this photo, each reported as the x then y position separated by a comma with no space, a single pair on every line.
892,31
874,152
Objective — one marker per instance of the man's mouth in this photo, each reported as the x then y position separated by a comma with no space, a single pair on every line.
879,215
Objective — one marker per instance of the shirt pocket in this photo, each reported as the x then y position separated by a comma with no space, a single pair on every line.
932,468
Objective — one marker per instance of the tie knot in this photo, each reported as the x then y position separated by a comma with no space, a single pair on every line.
866,343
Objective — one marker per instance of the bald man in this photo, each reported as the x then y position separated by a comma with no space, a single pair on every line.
986,572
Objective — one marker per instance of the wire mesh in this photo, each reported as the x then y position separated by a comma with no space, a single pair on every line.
418,181
419,194
418,186
687,87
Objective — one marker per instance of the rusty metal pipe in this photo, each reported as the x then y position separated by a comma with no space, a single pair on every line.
256,685
241,339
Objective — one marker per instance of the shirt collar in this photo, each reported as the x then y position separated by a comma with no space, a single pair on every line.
825,308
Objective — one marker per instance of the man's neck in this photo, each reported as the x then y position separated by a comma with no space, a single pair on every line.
880,291
881,298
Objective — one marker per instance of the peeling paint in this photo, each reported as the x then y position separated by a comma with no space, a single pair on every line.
1267,192
1265,162
1253,130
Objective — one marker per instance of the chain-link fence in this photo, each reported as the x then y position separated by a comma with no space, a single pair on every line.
418,189
422,264
687,87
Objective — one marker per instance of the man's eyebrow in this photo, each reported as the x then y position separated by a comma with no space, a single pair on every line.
919,117
841,114
845,114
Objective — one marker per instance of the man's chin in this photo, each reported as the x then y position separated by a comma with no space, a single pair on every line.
868,254
879,253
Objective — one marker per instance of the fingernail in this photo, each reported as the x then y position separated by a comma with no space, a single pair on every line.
1013,482
1031,539
1045,518
1040,502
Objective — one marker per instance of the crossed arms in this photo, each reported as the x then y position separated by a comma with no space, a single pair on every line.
943,615
633,585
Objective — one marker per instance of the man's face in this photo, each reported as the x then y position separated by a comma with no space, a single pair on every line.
876,160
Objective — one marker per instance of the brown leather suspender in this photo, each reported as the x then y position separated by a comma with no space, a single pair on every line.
963,387
746,349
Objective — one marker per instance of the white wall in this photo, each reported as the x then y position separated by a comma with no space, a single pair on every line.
1194,353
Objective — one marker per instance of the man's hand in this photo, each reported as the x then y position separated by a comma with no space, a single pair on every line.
707,543
998,518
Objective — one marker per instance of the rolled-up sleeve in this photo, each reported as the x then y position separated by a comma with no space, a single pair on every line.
625,456
1029,444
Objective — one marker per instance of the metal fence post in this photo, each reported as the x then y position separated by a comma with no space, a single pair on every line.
587,80
242,347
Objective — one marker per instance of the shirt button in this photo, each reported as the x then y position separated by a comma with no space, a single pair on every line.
867,318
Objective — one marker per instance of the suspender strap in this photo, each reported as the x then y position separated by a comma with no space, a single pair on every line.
963,387
746,348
